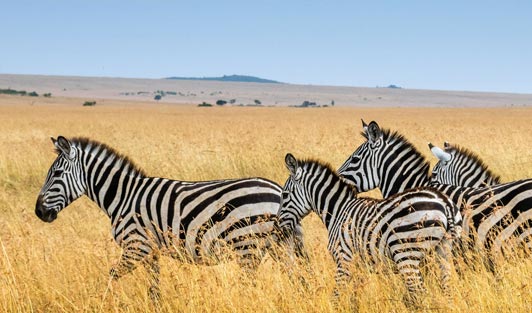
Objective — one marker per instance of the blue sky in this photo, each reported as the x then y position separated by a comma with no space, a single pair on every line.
451,45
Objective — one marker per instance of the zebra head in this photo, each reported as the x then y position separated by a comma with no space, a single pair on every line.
362,167
460,167
440,172
64,183
295,202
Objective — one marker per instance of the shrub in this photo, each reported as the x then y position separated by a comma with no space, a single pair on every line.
10,91
89,103
47,95
33,94
157,97
221,102
205,104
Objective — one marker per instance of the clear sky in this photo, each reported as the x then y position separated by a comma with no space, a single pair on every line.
451,45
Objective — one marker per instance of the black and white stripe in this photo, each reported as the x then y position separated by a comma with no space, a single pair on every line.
404,227
192,221
493,216
459,166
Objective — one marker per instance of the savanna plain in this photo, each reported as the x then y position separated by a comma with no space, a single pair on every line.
64,266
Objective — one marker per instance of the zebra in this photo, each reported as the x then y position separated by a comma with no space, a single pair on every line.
493,216
403,228
192,221
459,166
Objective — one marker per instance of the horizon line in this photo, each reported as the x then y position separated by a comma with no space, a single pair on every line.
278,82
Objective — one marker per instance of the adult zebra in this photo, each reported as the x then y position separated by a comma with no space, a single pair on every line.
493,215
459,166
192,221
404,227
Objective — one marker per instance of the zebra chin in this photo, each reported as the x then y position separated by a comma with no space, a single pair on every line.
45,214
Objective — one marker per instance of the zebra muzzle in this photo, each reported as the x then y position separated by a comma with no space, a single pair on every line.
43,213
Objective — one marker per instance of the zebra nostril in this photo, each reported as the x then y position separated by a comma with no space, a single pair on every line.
38,207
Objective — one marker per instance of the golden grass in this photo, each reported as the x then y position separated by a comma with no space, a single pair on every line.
63,266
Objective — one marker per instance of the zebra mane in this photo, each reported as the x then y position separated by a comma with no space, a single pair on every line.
464,152
84,142
327,167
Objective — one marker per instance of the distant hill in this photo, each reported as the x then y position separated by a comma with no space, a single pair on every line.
231,78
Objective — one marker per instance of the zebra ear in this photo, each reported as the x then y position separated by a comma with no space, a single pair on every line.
446,145
364,126
439,153
373,131
64,146
291,164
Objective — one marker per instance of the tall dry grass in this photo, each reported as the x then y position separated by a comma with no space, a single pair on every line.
63,266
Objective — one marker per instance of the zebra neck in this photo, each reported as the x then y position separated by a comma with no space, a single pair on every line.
328,200
111,184
402,171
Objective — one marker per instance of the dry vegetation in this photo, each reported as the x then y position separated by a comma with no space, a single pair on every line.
64,266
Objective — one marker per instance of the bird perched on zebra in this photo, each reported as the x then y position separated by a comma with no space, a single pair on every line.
403,228
493,216
192,221
459,166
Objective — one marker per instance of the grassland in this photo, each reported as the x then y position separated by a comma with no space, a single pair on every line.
63,266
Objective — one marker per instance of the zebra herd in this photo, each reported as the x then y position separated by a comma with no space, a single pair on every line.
201,222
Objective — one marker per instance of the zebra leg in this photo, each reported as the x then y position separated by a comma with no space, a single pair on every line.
444,255
342,278
153,268
411,273
128,262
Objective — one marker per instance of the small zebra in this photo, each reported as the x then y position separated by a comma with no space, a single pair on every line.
493,216
191,221
403,228
459,166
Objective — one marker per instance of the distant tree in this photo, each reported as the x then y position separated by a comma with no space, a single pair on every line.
205,104
47,95
221,102
332,102
232,101
257,102
89,103
307,104
33,94
157,97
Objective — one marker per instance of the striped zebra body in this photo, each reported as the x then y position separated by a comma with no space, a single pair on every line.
492,215
192,221
495,216
459,166
403,228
